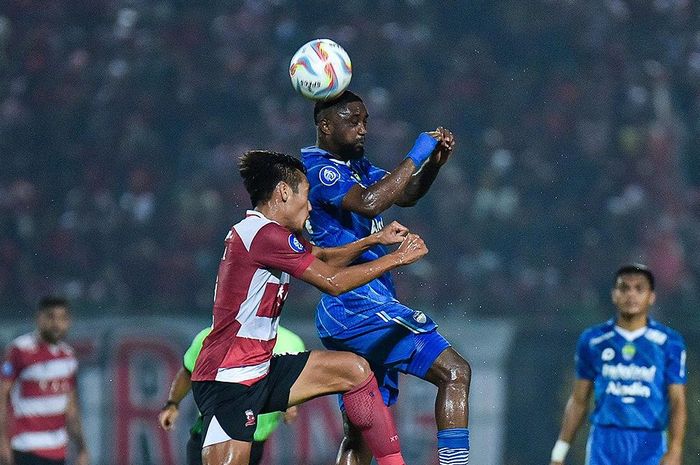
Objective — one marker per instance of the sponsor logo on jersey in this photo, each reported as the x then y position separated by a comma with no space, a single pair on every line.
628,351
328,175
629,372
377,224
607,354
636,389
295,244
249,418
7,369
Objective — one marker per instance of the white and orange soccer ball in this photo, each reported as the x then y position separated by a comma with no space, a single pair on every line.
320,70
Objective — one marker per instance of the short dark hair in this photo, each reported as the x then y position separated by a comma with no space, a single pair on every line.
262,170
49,302
322,107
635,268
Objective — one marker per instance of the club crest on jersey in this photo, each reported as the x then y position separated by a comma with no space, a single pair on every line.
419,317
295,244
249,418
608,354
7,369
329,175
628,351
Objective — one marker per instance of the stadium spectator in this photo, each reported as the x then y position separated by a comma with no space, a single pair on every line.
576,118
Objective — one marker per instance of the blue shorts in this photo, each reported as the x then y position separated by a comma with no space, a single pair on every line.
391,349
617,446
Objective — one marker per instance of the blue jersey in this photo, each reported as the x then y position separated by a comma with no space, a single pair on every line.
631,372
331,226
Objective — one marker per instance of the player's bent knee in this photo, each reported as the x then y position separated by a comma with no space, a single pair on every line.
463,373
456,373
361,369
355,370
460,373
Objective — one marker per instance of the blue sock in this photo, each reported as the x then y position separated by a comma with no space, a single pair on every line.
453,446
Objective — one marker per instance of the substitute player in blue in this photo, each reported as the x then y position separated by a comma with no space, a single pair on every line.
348,194
635,367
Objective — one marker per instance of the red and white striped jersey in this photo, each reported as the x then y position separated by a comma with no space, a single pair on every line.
251,288
43,377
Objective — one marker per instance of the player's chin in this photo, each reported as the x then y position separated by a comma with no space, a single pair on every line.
632,311
53,338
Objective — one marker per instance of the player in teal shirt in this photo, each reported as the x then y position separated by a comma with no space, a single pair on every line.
287,342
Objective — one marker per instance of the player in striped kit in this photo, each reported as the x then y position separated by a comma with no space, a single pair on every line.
236,377
635,368
39,383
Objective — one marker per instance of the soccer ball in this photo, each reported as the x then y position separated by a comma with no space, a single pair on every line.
320,70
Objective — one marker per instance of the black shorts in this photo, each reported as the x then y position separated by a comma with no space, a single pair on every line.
230,410
27,458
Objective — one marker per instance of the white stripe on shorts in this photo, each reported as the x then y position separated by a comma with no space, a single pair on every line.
215,433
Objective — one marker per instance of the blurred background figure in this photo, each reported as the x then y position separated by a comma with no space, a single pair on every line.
39,410
636,369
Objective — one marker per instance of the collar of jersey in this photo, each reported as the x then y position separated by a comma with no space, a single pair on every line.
319,151
258,214
631,335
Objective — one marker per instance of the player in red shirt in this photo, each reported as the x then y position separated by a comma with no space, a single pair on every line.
236,377
38,383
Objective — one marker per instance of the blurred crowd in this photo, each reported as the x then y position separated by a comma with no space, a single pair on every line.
577,121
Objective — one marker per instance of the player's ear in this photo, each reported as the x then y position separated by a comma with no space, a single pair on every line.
324,126
283,188
652,299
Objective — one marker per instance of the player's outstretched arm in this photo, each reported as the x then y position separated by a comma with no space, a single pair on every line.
373,200
678,417
335,280
423,178
179,388
575,412
346,254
